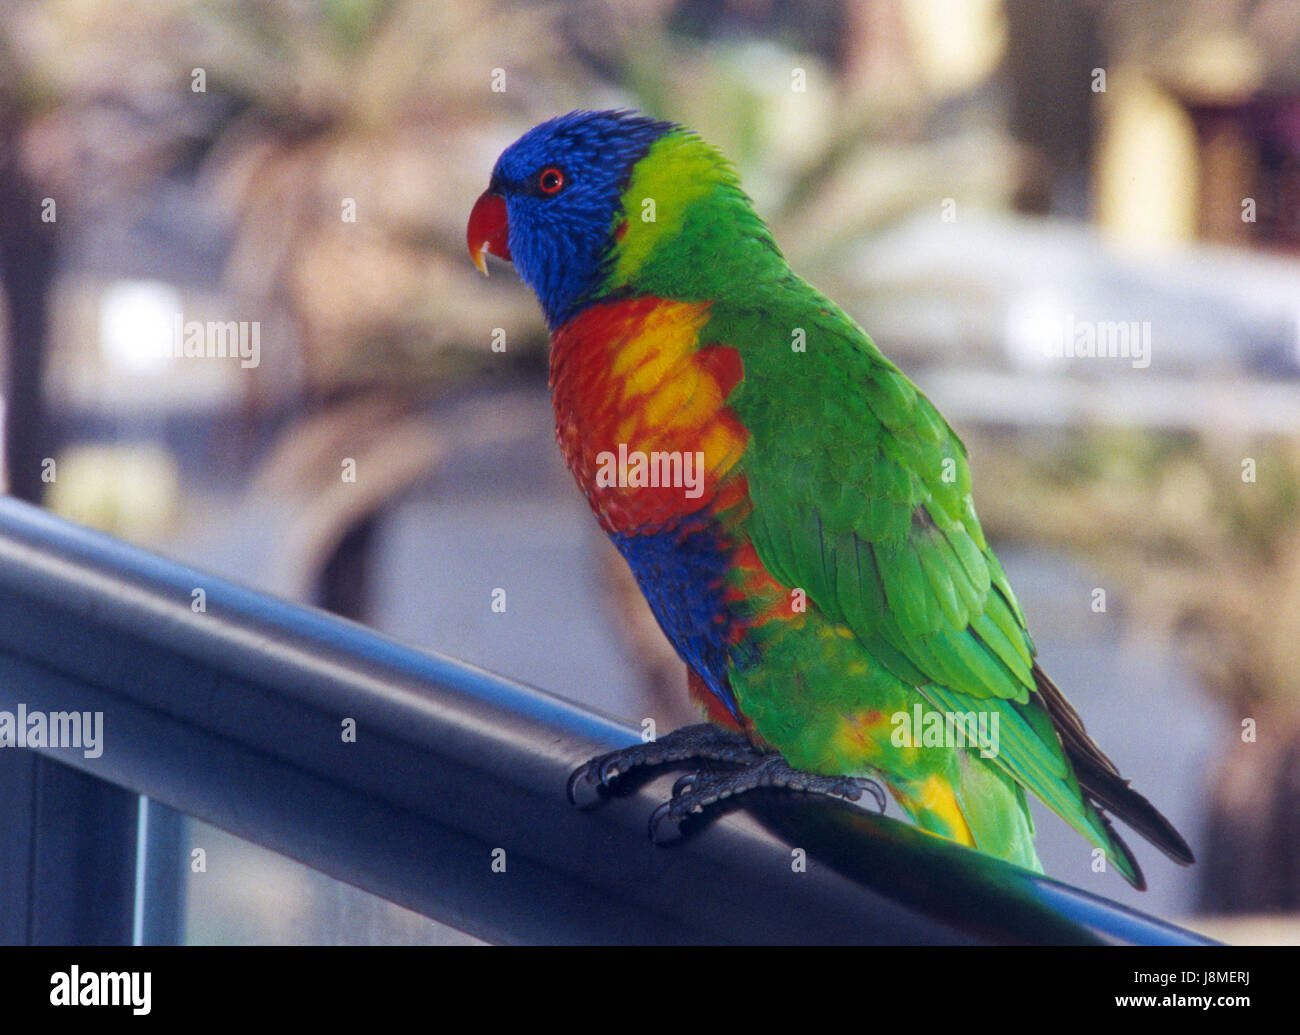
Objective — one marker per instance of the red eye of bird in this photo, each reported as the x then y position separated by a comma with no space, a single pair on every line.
550,180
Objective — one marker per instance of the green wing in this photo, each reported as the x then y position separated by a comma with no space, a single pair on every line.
862,498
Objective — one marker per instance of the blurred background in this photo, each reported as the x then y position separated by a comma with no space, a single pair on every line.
978,182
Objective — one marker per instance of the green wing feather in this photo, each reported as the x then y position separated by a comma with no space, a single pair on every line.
861,495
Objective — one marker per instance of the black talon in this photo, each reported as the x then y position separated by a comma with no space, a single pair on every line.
684,783
656,820
666,827
584,791
590,783
697,792
609,771
743,768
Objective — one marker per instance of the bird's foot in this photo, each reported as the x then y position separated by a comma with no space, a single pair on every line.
695,792
704,742
733,767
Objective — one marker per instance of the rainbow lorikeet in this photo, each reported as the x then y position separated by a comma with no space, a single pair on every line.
796,512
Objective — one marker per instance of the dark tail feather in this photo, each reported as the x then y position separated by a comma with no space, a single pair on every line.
1101,782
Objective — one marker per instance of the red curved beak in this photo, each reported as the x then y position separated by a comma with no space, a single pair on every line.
488,230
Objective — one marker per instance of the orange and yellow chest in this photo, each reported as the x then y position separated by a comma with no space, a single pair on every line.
641,413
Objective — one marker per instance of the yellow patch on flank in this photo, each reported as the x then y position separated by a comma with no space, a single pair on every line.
937,796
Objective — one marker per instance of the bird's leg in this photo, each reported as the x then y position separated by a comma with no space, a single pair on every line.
695,792
745,768
704,742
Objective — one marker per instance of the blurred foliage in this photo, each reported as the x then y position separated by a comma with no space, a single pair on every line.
95,96
359,138
1210,48
833,152
1208,557
289,111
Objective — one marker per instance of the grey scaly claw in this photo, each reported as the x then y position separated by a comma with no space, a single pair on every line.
705,742
696,792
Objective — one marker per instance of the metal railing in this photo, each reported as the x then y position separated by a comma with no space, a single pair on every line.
231,706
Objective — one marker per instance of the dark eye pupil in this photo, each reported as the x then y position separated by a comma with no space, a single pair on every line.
551,180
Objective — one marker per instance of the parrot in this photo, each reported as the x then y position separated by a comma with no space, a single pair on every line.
797,514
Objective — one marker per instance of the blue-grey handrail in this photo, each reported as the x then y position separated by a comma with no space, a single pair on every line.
234,713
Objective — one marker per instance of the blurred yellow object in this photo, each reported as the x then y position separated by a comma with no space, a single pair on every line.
1147,166
1223,65
128,490
956,44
